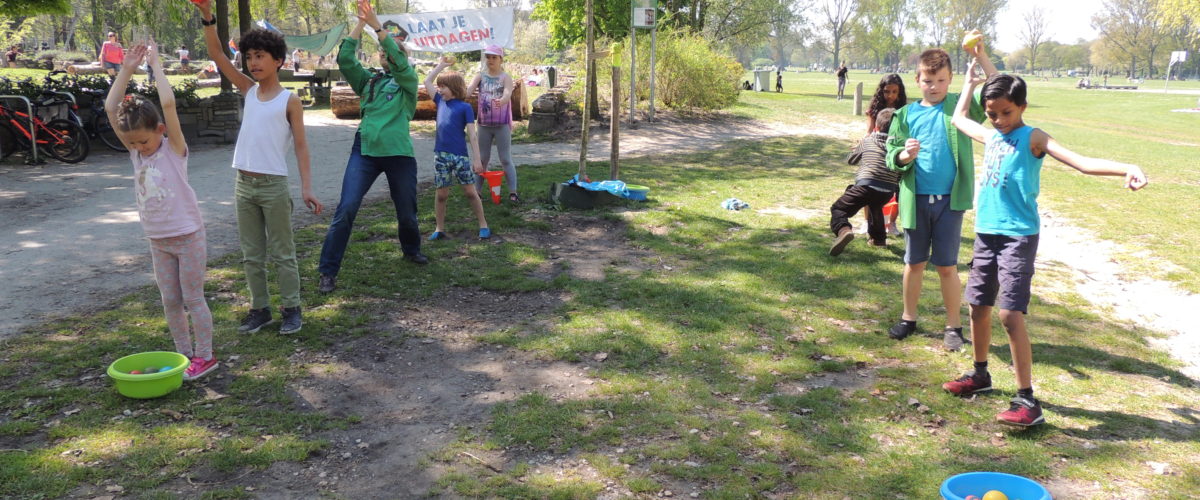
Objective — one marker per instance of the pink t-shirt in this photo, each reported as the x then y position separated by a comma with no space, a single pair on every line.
166,203
112,52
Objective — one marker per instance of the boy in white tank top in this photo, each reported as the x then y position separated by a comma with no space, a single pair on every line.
271,117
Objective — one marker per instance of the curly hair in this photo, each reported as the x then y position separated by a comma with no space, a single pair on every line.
137,113
265,40
879,101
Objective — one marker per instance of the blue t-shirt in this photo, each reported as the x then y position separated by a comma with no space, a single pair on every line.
452,119
935,163
1008,192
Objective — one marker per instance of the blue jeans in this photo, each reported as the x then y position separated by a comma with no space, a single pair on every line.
361,172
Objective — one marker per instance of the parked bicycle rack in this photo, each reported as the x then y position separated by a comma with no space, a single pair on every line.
32,128
68,114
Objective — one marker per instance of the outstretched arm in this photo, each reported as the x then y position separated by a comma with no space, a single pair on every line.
116,93
217,53
431,78
962,119
166,99
1041,142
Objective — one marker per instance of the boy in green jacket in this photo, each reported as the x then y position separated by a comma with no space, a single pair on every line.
382,145
936,187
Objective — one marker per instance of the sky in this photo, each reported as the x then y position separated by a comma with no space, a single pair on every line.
1070,19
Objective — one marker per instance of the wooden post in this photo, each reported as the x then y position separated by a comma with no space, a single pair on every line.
587,97
858,95
614,135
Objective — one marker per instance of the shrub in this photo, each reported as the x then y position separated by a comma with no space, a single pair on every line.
690,73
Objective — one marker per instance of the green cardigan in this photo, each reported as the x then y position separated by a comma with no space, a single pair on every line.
387,103
962,194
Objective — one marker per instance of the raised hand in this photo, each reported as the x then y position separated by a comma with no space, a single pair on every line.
152,54
366,14
134,55
973,76
205,6
447,60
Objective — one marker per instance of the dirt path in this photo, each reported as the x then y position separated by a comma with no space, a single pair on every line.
70,238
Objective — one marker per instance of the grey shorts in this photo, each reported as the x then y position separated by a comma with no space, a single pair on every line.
1002,271
938,231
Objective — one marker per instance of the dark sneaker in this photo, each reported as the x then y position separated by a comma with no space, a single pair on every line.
1022,413
953,339
969,384
255,319
901,330
291,320
844,237
328,284
417,258
200,367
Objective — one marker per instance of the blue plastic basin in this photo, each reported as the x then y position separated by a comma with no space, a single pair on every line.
978,483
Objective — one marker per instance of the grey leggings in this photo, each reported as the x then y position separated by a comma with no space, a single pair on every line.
502,136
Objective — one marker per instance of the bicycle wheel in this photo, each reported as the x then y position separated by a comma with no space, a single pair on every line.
70,144
108,135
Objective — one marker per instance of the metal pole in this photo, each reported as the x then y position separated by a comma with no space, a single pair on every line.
632,64
614,133
590,75
653,52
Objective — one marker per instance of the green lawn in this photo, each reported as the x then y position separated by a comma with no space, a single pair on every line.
1132,127
742,362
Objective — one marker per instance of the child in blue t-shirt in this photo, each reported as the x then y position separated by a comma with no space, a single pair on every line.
452,164
1007,228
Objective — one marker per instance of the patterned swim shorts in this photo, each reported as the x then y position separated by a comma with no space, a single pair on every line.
450,169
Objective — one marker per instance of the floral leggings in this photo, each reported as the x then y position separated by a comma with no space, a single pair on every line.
179,265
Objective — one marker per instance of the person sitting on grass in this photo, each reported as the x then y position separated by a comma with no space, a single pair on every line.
1007,228
874,185
452,165
167,207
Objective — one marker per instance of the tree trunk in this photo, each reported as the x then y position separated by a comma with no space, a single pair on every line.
244,25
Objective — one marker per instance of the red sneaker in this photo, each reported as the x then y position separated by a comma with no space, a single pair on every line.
969,384
1022,413
200,367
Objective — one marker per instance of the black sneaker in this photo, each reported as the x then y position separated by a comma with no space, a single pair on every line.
417,258
255,319
328,284
953,339
291,320
902,329
1022,413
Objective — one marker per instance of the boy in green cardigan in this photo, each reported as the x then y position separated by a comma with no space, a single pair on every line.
937,176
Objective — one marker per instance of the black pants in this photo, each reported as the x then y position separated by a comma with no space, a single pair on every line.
853,200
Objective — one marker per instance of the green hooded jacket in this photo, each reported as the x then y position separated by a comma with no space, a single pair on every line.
387,100
962,194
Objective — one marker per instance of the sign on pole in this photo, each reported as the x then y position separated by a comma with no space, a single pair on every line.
453,30
643,13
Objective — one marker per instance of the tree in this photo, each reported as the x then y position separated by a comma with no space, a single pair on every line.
882,31
1034,33
836,19
1181,16
1131,27
966,15
33,7
787,24
567,20
936,21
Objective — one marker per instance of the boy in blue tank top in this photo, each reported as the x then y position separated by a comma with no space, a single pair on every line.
1007,227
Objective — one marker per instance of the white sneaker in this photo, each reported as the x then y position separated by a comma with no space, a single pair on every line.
861,229
893,230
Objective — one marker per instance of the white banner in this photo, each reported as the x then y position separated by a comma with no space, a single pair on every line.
1178,56
454,30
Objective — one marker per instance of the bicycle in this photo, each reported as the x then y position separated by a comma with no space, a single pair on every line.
60,138
96,125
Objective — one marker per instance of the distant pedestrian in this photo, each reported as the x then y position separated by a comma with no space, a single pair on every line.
841,76
779,80
111,55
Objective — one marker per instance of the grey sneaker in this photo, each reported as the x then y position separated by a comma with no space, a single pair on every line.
291,320
328,284
953,339
255,319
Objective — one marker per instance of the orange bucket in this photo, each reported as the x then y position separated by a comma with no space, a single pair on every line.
494,179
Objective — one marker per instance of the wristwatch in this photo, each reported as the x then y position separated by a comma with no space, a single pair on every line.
208,22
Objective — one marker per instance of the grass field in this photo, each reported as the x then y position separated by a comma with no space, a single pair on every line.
1132,127
740,361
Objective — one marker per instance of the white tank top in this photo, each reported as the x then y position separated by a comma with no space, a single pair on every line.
265,136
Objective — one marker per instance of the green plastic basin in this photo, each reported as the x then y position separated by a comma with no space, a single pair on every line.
149,385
